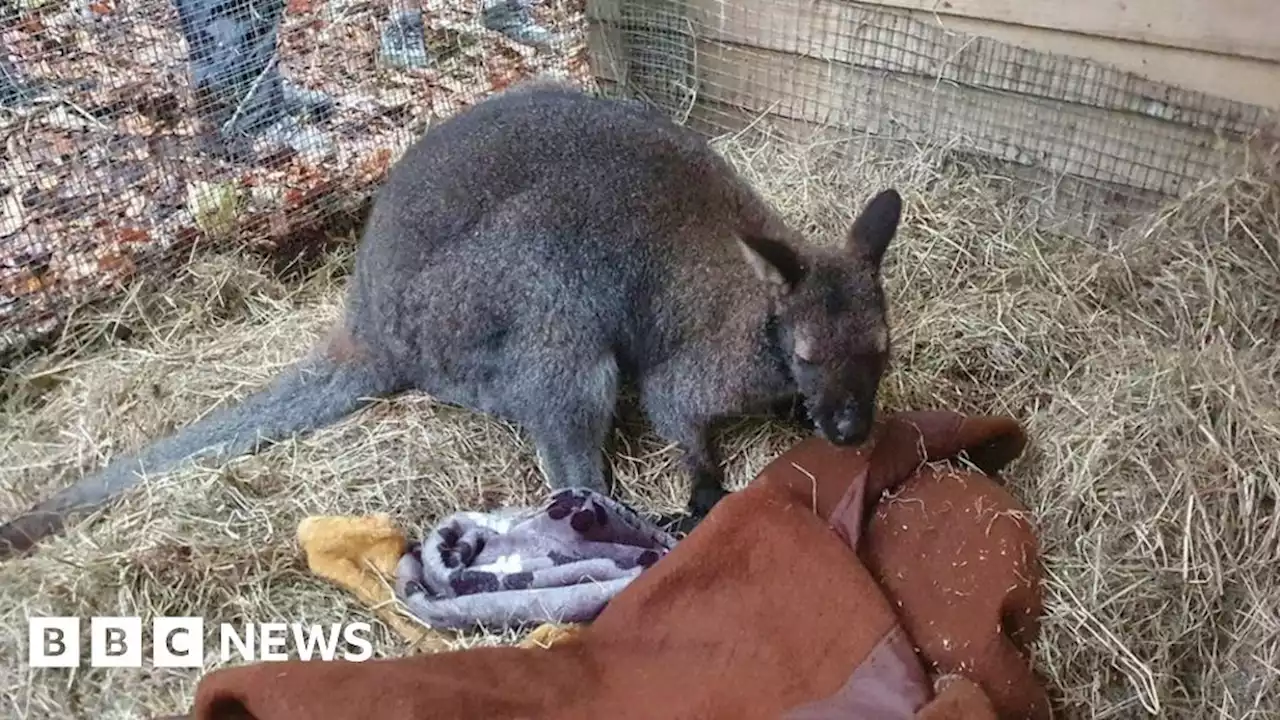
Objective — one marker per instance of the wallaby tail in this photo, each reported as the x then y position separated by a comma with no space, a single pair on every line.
319,390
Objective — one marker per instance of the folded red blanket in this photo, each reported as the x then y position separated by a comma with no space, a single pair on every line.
804,596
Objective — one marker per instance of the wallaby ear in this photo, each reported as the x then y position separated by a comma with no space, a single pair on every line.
773,261
876,226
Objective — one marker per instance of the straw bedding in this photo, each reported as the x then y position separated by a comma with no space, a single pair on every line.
1144,366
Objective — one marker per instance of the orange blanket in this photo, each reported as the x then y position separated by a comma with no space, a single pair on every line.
800,597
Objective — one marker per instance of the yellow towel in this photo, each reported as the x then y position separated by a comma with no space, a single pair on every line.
360,554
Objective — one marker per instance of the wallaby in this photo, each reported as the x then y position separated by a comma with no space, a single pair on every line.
526,256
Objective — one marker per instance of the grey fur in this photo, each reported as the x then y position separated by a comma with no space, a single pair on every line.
528,256
317,391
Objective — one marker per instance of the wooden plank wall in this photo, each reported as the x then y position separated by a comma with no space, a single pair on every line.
1229,48
1056,86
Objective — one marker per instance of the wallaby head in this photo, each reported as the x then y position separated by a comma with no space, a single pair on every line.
830,319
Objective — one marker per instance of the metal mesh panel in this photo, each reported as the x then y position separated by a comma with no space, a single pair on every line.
134,130
1092,133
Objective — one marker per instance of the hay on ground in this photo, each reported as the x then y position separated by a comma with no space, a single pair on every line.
1144,367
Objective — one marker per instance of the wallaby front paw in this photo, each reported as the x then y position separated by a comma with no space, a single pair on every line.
704,499
678,526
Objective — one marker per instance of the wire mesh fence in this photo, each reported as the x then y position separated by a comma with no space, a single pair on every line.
1094,138
137,130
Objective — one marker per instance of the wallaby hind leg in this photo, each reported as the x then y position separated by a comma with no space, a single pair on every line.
570,426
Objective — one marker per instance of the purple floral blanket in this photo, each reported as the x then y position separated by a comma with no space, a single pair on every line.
561,562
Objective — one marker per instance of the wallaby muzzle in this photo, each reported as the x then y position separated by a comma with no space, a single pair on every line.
850,425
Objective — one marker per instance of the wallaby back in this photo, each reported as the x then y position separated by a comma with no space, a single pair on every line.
528,254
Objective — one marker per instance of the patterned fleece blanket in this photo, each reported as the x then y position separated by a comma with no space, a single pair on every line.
559,563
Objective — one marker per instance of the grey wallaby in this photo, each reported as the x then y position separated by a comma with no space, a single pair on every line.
530,254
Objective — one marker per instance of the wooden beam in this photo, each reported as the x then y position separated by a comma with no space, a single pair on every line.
1008,58
1241,28
607,51
1241,79
1062,138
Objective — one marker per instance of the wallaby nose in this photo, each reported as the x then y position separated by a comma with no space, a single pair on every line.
851,430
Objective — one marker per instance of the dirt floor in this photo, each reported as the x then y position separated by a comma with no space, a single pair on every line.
1145,369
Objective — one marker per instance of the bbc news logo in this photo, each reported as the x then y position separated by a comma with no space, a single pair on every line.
179,642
